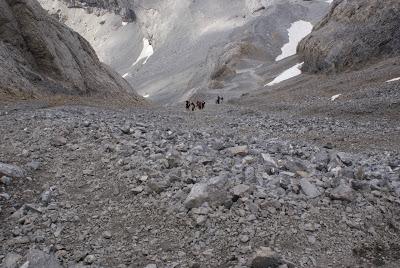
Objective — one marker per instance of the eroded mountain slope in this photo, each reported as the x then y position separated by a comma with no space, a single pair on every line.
40,56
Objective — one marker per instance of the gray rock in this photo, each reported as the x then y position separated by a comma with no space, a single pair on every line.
5,196
266,258
269,161
11,260
107,234
240,190
33,165
239,150
11,171
309,189
39,259
197,196
6,180
89,259
137,190
58,141
294,165
45,197
359,44
342,192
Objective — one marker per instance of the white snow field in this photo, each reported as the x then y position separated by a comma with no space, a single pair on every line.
333,98
146,53
393,80
297,31
289,73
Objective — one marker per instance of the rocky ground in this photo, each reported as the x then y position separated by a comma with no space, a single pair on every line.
224,187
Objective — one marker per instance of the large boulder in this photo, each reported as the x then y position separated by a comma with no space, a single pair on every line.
41,56
355,32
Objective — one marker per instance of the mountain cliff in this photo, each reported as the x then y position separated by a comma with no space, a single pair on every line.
170,50
41,56
353,33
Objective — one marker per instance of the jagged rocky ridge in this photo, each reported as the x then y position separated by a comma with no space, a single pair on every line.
353,33
39,55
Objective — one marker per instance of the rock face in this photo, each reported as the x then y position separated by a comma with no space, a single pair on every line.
39,56
171,50
120,7
352,34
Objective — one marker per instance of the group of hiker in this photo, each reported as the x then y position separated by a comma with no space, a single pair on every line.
192,106
200,105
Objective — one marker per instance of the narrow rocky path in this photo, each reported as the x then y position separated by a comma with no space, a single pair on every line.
224,187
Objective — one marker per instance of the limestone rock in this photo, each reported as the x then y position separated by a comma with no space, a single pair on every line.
352,34
11,171
40,56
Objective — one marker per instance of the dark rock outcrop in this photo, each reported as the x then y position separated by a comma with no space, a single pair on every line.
354,33
40,56
120,7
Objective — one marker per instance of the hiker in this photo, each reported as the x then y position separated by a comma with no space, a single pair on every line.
198,104
203,104
187,105
218,100
222,99
193,106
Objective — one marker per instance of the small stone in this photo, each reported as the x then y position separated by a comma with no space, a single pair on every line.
86,124
244,238
33,165
46,197
5,196
11,171
200,220
269,161
247,160
58,141
197,196
137,190
295,166
309,189
89,259
265,257
6,180
240,190
312,239
343,192
239,150
143,178
345,158
11,260
152,265
107,234
126,129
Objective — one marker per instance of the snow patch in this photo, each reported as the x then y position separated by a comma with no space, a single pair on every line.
146,96
146,53
124,23
297,31
125,75
329,1
393,80
333,98
289,73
